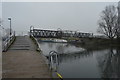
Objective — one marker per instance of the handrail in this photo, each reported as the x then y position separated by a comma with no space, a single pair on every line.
6,43
51,62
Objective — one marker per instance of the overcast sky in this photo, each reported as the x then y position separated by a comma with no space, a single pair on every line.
80,16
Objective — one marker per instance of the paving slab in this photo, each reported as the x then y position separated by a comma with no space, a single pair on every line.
22,63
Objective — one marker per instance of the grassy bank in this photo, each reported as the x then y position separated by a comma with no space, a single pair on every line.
97,43
101,41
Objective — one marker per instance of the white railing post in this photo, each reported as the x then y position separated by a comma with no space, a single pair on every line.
6,43
51,60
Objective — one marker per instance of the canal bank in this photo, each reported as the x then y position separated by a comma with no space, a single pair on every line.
36,41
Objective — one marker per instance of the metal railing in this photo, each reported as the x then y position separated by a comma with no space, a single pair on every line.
7,42
53,60
53,63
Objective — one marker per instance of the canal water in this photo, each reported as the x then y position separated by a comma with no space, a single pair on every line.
77,62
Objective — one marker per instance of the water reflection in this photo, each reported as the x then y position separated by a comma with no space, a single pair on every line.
59,47
109,63
74,62
73,56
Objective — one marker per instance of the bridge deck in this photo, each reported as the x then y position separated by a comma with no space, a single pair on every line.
23,61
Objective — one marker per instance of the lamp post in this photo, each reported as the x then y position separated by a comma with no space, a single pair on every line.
10,25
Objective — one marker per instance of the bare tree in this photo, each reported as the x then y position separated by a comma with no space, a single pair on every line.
0,21
118,31
108,21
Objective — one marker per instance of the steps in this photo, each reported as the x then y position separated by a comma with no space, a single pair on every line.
21,43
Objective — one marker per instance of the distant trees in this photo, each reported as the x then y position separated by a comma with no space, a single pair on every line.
5,32
108,23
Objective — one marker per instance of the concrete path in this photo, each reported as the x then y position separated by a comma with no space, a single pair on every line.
23,61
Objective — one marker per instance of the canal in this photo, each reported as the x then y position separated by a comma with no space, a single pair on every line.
77,62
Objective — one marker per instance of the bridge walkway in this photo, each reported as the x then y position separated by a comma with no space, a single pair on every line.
23,61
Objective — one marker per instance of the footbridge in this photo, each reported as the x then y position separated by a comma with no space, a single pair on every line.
40,33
